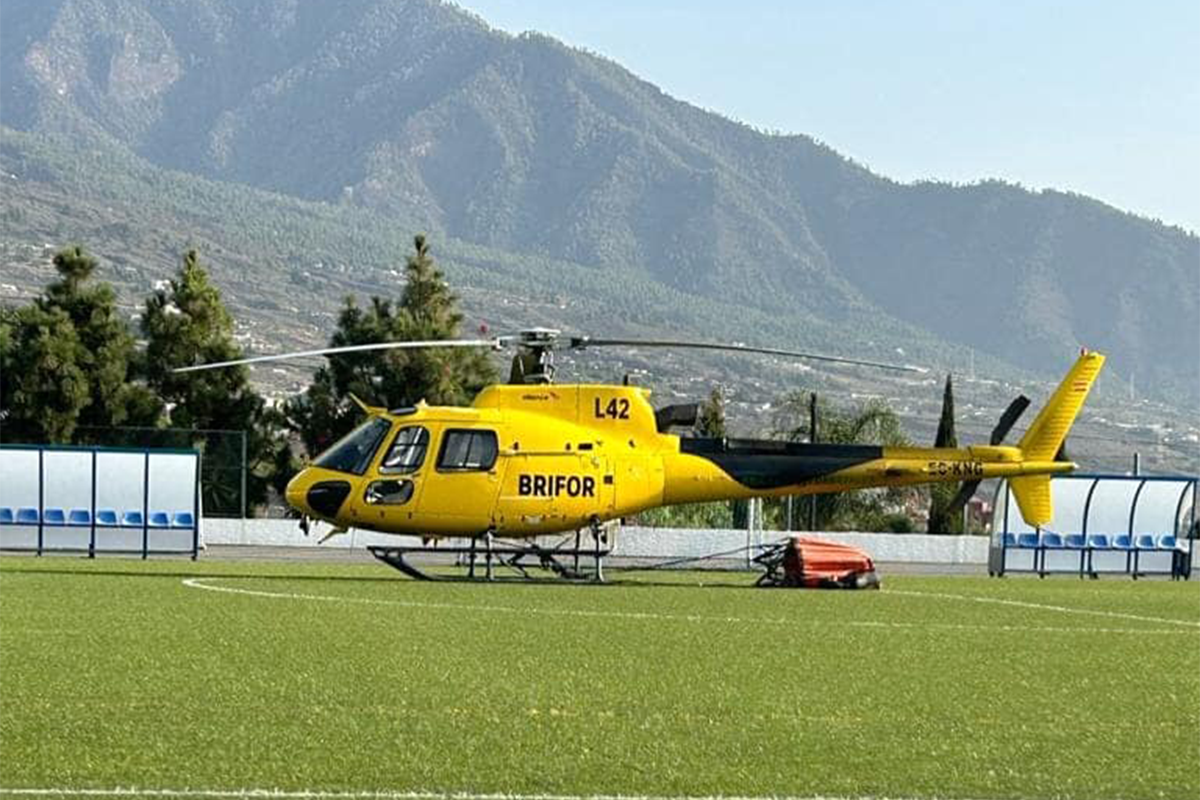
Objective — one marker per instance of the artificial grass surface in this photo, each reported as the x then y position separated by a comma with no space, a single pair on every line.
118,673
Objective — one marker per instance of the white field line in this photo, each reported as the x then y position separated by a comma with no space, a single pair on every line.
384,794
1045,607
205,584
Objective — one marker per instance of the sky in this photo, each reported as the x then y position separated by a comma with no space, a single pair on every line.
1100,98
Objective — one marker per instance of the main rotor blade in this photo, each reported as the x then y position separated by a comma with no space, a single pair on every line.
1009,418
494,344
584,342
962,497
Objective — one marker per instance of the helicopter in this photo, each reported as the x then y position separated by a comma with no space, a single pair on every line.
531,457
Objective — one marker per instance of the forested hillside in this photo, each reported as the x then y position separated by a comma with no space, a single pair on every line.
287,262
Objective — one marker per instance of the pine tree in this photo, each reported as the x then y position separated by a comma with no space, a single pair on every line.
7,372
426,310
317,414
105,347
42,386
429,310
186,323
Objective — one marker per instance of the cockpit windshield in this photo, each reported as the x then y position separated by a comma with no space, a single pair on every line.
353,452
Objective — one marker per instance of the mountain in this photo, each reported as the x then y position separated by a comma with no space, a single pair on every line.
285,264
419,111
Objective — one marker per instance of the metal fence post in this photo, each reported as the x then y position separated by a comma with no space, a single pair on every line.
196,508
245,469
41,499
146,506
812,439
92,538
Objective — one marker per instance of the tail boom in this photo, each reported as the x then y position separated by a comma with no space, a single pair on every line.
704,470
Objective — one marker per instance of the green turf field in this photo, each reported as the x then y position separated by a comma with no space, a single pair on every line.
234,676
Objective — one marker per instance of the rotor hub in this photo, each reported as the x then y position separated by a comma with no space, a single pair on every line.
534,362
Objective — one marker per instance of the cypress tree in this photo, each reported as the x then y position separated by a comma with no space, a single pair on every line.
946,436
944,517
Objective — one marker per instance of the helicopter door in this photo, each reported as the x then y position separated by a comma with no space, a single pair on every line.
460,491
390,497
553,491
600,469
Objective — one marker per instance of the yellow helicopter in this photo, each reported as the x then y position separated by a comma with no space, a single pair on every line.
532,457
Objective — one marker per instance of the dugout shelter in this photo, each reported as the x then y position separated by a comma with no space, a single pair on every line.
95,500
1131,525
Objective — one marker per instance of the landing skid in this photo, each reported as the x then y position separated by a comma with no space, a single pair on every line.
487,560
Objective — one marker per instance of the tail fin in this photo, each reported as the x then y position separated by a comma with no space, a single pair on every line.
1045,436
1033,498
1044,439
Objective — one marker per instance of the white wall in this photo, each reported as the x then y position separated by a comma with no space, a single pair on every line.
630,541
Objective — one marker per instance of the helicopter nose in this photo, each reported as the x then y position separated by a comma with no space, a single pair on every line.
296,489
315,495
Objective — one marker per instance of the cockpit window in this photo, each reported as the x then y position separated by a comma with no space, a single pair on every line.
354,451
390,492
408,451
468,450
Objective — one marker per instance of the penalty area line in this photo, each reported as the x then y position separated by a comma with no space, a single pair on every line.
206,585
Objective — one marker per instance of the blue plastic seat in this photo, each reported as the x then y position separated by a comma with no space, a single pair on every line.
132,519
160,519
1098,541
1052,540
1027,540
1010,540
1074,541
183,519
6,516
27,516
79,516
1145,541
1122,541
54,516
1166,541
106,518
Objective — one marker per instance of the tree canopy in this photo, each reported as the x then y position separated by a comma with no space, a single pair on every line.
70,372
43,388
871,423
426,311
105,352
185,323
